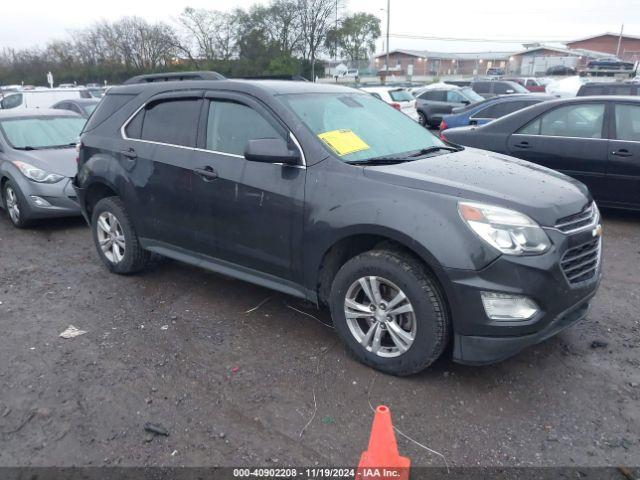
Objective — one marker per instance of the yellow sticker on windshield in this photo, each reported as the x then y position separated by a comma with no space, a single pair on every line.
343,142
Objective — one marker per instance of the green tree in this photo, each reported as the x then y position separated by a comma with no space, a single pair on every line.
355,37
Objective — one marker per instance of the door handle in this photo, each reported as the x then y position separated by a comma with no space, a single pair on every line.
206,173
130,154
623,152
522,145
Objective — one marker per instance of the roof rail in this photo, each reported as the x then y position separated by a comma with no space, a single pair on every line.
174,76
294,78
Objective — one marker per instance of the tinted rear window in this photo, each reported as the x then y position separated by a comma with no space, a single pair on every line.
109,105
173,121
400,96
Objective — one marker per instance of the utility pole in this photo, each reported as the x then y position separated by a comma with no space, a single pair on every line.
619,41
388,17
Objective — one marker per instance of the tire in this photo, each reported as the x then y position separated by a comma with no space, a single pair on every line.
15,205
427,322
124,256
422,119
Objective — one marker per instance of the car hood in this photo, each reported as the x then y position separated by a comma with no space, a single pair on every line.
56,160
479,175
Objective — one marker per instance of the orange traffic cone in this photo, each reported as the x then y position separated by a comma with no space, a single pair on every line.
381,459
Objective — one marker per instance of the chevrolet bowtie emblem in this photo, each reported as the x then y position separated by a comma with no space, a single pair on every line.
597,232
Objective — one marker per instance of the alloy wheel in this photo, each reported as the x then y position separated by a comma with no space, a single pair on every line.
11,201
110,237
380,316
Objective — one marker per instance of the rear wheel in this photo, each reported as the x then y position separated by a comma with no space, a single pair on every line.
15,205
388,310
116,239
422,119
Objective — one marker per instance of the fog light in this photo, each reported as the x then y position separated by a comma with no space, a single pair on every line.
506,307
39,201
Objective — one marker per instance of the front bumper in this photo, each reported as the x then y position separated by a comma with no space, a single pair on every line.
60,196
479,340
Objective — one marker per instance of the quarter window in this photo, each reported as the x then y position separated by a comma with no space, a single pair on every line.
12,101
231,125
172,121
628,122
579,121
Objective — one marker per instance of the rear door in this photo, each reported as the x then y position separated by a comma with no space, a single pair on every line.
623,168
157,150
571,139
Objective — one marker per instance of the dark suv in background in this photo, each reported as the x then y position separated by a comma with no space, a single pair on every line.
492,88
326,193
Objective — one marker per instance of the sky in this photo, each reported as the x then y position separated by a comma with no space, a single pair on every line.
503,24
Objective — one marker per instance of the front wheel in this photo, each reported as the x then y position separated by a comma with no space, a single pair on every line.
116,239
15,205
390,313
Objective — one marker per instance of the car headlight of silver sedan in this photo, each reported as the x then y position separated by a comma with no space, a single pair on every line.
509,231
37,174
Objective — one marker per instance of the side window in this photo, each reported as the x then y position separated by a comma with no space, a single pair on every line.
434,95
531,83
231,125
454,97
579,121
500,88
134,127
172,121
622,90
487,112
482,87
628,122
12,101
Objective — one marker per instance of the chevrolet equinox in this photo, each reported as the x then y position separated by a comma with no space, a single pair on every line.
329,194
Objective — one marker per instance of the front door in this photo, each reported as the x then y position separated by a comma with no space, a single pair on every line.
158,154
570,139
623,168
250,214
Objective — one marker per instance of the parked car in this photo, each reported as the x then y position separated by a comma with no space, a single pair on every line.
608,88
609,63
399,98
530,83
566,87
438,99
347,73
459,83
82,106
560,70
37,161
496,107
495,72
594,139
492,88
324,193
44,98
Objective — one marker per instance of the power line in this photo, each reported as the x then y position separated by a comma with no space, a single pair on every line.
413,36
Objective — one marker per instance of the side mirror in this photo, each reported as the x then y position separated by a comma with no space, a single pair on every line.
465,102
271,150
511,91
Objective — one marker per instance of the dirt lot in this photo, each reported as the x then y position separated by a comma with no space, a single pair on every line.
174,346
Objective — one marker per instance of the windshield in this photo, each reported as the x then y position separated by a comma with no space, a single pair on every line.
43,132
471,94
400,96
359,127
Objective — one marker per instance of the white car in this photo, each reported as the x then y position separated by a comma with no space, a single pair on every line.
398,98
41,98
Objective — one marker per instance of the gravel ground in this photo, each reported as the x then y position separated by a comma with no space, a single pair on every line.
175,346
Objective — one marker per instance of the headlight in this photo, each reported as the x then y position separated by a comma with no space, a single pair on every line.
508,231
37,174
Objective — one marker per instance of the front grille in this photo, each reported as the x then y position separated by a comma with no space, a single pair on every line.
586,218
580,263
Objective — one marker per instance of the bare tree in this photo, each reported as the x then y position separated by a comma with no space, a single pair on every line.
212,33
316,17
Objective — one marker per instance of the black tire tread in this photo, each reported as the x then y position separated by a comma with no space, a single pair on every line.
138,258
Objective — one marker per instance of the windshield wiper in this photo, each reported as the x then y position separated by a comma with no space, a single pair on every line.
427,151
26,147
379,161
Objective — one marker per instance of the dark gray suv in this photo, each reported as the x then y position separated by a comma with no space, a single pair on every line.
325,193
